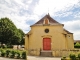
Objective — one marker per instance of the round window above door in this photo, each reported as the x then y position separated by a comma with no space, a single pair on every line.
46,30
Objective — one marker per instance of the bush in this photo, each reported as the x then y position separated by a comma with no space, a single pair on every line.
0,52
17,54
12,54
72,56
24,55
63,58
7,53
9,46
3,53
3,46
79,56
77,45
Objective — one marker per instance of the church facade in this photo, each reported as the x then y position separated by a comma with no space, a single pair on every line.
47,35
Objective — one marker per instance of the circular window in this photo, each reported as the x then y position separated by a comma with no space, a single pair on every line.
46,30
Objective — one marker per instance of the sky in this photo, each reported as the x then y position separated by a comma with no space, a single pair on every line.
24,13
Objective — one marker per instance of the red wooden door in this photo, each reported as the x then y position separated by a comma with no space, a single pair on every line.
46,44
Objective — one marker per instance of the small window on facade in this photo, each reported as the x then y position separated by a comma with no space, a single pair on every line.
68,36
46,21
46,30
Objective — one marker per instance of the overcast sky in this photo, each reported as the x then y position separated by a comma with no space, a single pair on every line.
24,13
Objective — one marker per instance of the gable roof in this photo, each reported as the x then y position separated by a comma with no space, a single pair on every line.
68,31
51,21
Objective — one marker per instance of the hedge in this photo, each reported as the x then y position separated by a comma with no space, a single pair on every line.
13,53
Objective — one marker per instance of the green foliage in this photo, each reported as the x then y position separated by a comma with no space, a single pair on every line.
72,56
22,35
3,53
9,46
77,45
63,58
3,46
9,34
79,56
24,55
7,52
17,55
12,53
0,52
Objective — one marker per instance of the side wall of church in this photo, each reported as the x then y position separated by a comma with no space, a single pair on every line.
70,41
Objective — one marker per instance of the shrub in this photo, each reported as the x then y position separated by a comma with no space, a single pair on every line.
7,53
3,46
17,54
77,45
3,53
63,58
79,56
9,46
12,54
72,56
0,52
24,55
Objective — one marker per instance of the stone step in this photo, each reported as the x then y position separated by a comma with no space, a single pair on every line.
46,54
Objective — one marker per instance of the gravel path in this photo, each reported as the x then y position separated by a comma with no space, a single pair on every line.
42,58
33,58
2,58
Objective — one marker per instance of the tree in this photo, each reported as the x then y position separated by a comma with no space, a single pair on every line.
9,34
77,45
22,36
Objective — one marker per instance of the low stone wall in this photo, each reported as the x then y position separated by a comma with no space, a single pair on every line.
18,47
55,53
34,52
66,52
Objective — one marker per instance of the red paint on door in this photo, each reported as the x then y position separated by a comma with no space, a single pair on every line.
46,44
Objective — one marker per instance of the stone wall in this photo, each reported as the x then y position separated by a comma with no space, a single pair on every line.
64,52
20,47
55,53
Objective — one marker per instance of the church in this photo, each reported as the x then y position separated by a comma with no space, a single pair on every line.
46,36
